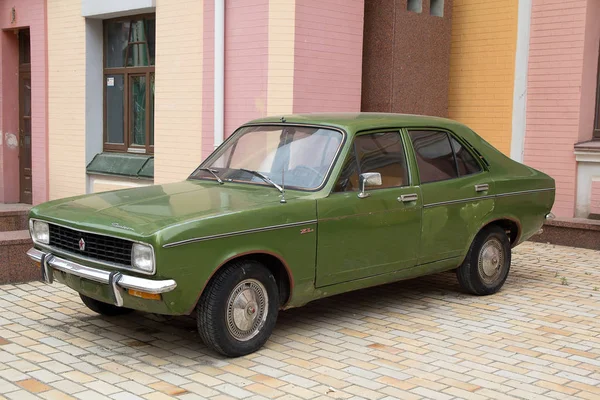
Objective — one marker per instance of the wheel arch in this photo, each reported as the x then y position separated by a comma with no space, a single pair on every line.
511,226
273,261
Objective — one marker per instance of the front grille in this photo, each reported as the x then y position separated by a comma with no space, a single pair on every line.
103,248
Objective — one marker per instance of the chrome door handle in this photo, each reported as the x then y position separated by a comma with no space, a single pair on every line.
482,187
407,198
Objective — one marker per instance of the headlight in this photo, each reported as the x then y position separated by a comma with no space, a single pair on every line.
142,257
40,232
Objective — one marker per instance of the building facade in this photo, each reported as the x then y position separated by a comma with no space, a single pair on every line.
23,94
134,92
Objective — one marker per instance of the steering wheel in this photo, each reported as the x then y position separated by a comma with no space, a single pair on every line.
314,174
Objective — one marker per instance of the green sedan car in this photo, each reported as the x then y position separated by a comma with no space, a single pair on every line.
292,209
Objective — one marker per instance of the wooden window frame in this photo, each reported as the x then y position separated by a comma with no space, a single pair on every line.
127,72
596,131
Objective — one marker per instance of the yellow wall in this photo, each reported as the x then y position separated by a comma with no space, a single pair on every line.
280,84
482,67
66,98
178,95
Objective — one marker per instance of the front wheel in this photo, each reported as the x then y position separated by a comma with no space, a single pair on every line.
486,266
238,310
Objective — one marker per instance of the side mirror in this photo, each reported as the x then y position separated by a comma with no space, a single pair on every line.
368,179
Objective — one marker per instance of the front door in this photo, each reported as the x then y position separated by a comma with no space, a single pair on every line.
360,237
24,118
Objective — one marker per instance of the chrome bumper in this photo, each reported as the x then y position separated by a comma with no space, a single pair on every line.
114,279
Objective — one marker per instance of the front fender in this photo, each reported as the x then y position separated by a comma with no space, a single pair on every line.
193,264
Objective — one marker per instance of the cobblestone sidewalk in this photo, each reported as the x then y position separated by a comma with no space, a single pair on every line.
538,338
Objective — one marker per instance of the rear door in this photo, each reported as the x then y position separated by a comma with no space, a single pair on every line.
378,234
457,193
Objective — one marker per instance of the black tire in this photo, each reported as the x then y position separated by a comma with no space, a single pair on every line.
102,308
487,263
218,327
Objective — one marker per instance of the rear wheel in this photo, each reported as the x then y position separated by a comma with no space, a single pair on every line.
102,308
238,310
487,263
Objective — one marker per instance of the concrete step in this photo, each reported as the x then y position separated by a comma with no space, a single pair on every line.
15,266
574,232
13,217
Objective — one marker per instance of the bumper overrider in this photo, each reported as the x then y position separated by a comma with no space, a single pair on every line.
114,279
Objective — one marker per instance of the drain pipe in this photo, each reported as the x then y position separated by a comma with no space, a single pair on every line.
219,83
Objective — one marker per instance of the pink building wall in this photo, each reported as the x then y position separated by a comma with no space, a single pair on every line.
328,55
32,14
246,57
554,94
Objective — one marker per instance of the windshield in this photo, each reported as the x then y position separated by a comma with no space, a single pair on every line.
291,156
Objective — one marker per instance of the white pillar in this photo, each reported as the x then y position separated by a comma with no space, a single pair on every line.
219,84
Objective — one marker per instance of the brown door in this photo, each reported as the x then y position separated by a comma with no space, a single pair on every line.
25,118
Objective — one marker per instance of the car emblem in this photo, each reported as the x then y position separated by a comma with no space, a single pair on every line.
81,244
117,225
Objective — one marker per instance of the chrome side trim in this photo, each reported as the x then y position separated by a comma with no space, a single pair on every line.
95,260
442,203
100,276
524,192
244,232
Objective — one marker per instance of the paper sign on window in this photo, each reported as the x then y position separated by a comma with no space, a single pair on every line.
110,81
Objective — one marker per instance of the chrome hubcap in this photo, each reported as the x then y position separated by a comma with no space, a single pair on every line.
247,309
491,260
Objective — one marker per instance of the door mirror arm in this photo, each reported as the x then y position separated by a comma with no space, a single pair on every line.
368,179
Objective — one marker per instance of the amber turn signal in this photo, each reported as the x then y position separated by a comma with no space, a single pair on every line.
144,295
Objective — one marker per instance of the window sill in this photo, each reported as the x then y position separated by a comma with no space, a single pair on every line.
140,166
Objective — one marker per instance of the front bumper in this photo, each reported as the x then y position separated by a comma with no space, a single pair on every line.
114,279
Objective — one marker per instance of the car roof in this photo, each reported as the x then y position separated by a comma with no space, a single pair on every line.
356,122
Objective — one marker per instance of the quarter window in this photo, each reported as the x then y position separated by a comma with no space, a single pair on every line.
129,52
440,156
465,162
375,152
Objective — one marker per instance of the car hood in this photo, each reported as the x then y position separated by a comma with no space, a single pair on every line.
143,211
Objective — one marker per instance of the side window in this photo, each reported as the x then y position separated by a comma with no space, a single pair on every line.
434,155
467,164
375,152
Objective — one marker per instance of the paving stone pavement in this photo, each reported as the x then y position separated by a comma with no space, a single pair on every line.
539,337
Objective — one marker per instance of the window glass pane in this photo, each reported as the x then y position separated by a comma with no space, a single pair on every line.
114,108
151,29
137,107
137,32
152,109
138,55
466,162
348,180
383,153
300,157
116,43
434,155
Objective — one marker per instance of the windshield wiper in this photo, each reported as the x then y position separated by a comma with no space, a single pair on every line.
214,173
264,178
